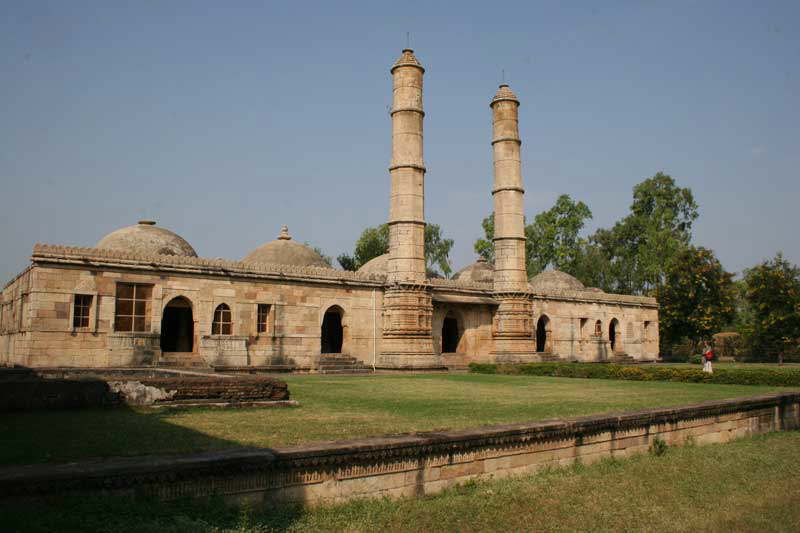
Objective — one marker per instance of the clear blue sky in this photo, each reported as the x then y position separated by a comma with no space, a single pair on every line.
224,120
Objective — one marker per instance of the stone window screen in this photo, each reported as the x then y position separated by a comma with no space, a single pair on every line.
598,329
262,317
81,308
223,323
133,305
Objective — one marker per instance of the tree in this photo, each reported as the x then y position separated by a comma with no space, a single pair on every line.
374,241
642,246
552,238
437,251
772,290
328,260
697,298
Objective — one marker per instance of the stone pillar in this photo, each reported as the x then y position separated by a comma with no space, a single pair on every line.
513,322
407,309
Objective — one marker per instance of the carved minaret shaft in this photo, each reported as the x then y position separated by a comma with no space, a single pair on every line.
513,320
407,341
407,211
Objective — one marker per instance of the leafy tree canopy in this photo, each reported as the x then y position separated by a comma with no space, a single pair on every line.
552,238
772,290
374,241
697,297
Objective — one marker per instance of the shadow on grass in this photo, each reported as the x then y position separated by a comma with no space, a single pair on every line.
57,421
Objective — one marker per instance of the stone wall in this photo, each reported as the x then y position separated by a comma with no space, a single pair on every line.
37,311
405,465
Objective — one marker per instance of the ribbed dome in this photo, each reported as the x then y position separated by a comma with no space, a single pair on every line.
376,265
146,238
480,271
285,251
555,280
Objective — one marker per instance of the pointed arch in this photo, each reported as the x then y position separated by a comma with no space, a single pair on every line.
332,330
177,326
223,320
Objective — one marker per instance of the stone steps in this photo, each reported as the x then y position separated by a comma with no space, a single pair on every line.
549,358
181,360
341,364
621,359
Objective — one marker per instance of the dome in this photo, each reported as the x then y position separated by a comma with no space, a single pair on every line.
285,251
376,265
555,280
480,271
146,238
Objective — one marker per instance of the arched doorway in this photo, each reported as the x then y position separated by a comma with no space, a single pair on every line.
542,327
451,335
177,326
332,331
613,330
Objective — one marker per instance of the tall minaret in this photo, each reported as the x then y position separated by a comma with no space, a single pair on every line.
407,211
406,340
512,331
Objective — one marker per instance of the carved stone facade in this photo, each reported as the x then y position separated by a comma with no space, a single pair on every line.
142,297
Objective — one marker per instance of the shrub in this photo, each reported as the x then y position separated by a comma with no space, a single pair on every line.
776,377
658,447
696,360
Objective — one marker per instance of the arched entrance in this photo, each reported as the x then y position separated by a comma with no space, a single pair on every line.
451,335
542,327
177,326
332,330
613,330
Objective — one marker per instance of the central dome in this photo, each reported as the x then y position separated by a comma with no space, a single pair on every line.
479,271
146,238
285,251
555,280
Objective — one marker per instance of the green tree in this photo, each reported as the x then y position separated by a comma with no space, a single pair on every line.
328,260
374,241
697,298
772,290
484,247
642,246
552,238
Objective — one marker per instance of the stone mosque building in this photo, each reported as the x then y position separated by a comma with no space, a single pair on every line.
142,297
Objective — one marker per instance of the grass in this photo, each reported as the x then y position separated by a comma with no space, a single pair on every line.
336,408
752,484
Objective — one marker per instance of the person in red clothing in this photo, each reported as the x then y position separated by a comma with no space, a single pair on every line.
708,355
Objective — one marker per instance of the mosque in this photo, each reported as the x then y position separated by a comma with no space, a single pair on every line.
142,297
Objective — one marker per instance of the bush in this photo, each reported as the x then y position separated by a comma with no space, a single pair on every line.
777,377
696,360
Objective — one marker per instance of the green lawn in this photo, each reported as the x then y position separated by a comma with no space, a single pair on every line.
335,408
752,484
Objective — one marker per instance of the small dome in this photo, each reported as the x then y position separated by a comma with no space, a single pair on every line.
146,238
504,93
285,251
480,271
555,280
407,59
376,265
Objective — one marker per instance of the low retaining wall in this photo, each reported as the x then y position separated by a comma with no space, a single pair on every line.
404,465
26,390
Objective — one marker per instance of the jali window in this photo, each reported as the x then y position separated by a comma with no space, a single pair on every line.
80,310
222,324
261,318
132,311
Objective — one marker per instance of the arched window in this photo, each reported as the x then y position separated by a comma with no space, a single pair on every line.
598,329
222,324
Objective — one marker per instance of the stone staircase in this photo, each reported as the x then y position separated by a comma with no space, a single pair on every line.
181,360
337,363
621,359
549,357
